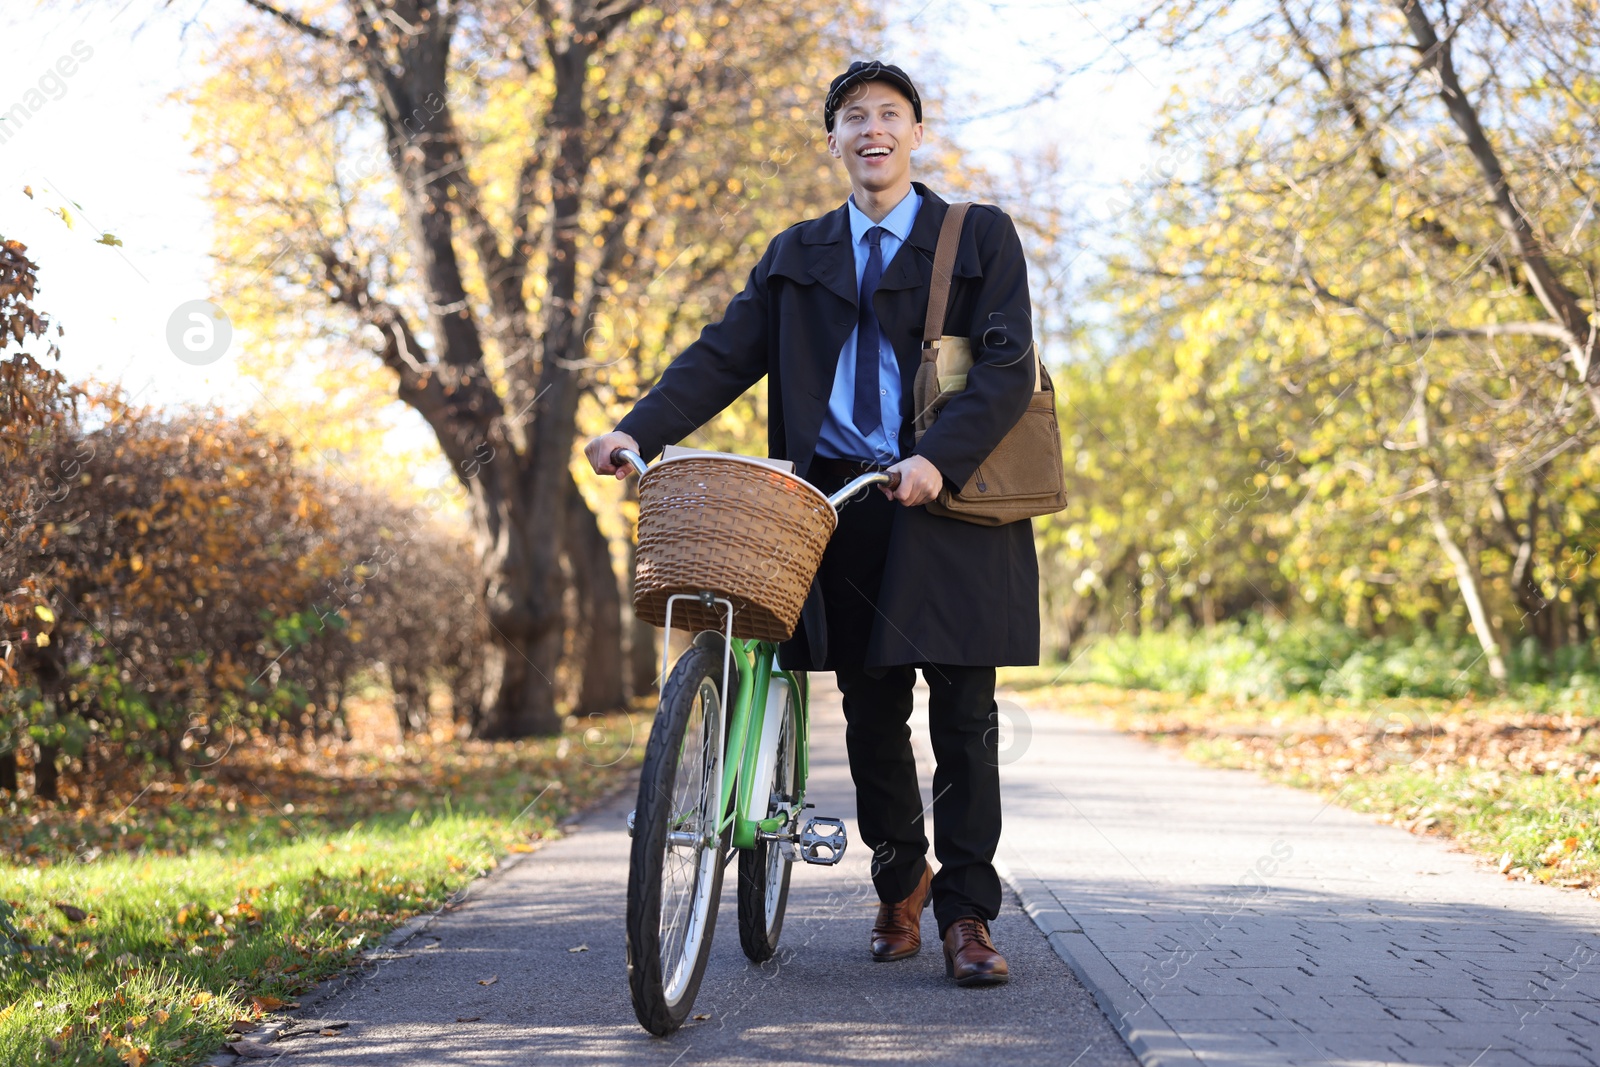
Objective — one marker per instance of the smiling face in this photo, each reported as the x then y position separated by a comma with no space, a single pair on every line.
875,132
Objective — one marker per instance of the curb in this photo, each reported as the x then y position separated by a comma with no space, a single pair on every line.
1146,1033
387,949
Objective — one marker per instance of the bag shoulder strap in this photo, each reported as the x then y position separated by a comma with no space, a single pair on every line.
944,261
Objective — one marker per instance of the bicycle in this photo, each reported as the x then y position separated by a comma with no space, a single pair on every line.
692,816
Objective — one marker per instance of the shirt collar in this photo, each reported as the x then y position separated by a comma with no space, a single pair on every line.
898,221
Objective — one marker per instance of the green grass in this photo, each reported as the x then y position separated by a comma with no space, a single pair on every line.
212,923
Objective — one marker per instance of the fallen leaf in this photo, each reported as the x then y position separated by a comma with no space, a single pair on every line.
200,999
468,1018
242,1026
71,911
329,1033
266,1003
579,948
1505,862
489,981
134,1056
521,846
703,1015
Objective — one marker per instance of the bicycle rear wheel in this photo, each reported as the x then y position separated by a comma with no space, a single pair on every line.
764,870
675,869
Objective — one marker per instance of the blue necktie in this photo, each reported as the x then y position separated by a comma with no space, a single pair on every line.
867,412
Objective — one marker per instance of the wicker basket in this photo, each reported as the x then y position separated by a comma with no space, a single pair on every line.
739,528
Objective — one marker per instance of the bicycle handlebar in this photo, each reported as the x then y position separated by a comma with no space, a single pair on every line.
619,456
860,482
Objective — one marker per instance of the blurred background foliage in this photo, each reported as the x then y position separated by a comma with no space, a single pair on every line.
1345,376
1329,402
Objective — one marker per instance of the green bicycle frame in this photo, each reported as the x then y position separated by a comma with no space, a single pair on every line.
754,660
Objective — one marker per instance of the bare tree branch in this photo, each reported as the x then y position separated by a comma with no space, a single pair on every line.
1561,303
292,20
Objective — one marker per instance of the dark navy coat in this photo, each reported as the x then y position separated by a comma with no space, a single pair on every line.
953,592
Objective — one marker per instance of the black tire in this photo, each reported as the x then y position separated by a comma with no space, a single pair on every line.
687,729
764,870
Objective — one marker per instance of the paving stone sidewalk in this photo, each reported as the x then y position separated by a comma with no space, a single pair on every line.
532,970
1225,919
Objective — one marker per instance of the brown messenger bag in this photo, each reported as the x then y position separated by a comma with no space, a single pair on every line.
1024,476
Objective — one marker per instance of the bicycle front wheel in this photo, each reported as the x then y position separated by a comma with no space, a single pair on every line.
764,870
675,870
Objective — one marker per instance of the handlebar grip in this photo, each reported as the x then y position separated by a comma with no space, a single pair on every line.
617,457
894,480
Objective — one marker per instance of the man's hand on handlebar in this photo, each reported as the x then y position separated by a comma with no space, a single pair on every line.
920,482
598,453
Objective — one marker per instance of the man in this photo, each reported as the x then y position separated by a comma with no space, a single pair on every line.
833,316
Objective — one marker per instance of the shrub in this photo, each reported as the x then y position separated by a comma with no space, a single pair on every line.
1260,658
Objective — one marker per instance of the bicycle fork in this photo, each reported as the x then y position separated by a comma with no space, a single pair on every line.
823,839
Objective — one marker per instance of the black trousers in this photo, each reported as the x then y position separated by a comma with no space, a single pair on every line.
877,708
966,785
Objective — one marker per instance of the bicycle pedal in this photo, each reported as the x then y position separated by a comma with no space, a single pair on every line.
823,840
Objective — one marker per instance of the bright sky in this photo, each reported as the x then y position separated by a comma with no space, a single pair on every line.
107,143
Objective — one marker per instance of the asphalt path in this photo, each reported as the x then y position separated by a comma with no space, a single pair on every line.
547,937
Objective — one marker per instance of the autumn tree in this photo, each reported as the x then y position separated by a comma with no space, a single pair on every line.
509,205
1371,251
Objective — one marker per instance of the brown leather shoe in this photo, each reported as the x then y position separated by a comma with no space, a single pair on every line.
970,957
898,931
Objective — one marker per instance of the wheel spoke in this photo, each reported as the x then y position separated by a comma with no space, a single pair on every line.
677,870
683,865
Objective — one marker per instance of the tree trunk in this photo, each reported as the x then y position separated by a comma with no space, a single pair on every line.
1467,581
1466,573
642,662
1540,615
45,780
521,591
525,609
8,770
599,610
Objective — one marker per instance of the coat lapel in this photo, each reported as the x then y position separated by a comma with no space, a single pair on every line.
912,265
829,257
902,297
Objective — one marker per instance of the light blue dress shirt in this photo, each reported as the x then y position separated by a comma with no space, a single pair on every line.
839,438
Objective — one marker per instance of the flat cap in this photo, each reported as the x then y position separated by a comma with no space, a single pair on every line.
861,72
